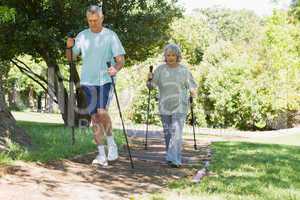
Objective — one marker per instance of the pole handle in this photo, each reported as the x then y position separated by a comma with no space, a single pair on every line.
151,68
108,64
71,34
191,99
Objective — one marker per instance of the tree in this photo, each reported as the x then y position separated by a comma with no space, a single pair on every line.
193,35
254,84
19,87
205,27
295,9
40,28
8,128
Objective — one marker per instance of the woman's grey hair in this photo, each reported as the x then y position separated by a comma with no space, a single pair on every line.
94,9
174,48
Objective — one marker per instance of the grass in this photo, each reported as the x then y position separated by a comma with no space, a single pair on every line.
244,171
288,139
239,170
291,139
5,159
52,142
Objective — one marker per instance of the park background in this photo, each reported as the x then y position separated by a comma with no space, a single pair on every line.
247,67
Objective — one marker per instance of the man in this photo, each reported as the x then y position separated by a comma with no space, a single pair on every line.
97,46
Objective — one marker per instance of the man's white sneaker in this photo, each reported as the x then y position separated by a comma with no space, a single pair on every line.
112,152
100,160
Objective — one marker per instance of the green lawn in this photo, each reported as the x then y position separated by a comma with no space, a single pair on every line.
244,171
52,142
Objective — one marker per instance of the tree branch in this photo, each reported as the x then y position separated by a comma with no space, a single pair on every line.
31,75
28,69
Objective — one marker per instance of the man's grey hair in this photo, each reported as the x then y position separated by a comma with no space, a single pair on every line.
94,9
174,48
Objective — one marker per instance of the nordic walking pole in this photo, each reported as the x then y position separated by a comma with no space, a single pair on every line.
148,110
193,121
71,103
118,104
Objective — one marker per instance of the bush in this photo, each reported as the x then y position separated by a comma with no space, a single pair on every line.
140,106
247,82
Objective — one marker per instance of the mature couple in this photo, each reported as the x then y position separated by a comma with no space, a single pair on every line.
98,45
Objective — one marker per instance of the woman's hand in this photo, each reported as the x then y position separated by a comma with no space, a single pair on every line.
70,43
112,71
150,76
193,92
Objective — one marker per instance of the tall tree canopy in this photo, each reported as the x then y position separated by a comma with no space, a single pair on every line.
39,29
40,26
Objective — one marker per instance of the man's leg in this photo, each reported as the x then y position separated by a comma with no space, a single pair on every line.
99,131
105,122
91,95
106,94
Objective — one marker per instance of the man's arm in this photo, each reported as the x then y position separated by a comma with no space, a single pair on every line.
192,85
120,61
193,92
69,46
68,54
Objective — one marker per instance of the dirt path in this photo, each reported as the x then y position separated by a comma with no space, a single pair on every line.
77,179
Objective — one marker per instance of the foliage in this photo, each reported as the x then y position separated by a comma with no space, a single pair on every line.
295,9
7,17
195,33
253,84
207,36
135,78
40,27
22,81
6,14
140,107
39,30
247,79
231,25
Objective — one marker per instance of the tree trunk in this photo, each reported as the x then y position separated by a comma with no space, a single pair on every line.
55,84
39,102
8,129
31,98
12,96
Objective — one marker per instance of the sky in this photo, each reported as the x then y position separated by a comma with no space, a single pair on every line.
260,7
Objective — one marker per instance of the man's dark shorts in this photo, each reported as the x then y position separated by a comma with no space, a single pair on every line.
97,96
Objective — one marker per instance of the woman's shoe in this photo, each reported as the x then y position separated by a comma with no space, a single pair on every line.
173,165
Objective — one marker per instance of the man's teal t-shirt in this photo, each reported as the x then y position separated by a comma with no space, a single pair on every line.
96,50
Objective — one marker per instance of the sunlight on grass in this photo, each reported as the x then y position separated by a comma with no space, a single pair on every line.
293,139
5,159
52,142
244,171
